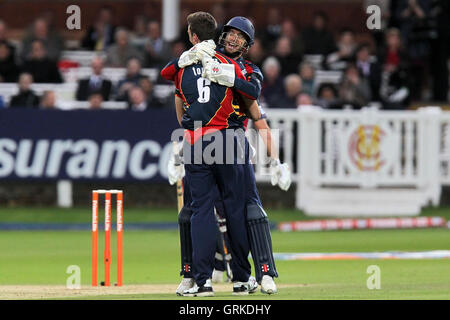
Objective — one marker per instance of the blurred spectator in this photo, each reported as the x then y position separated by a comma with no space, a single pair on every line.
48,100
132,78
441,51
148,88
138,37
354,90
184,27
256,53
3,37
95,83
304,99
393,56
346,46
272,30
138,100
292,88
307,73
25,98
49,17
2,103
95,100
283,52
317,38
119,53
394,87
417,29
411,16
52,42
219,13
272,86
9,71
327,96
40,66
178,47
289,30
369,70
101,34
156,48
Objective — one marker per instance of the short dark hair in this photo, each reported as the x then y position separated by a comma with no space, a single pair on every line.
362,46
320,14
327,85
202,24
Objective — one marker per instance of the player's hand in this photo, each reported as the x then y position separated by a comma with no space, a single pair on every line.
175,169
284,181
221,73
280,174
205,49
202,50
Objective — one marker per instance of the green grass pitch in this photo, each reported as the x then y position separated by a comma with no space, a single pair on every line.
152,257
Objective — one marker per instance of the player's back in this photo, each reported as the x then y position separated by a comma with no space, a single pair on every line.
204,100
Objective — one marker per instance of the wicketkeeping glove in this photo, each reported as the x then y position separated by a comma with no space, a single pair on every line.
221,73
280,174
198,52
175,169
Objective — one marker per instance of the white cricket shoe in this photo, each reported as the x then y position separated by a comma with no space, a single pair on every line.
204,291
186,284
244,288
217,276
268,285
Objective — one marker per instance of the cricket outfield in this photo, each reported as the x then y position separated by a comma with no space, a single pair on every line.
34,263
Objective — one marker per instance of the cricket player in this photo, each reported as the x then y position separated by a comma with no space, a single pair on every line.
210,103
236,38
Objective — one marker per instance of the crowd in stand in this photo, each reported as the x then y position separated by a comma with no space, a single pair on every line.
404,61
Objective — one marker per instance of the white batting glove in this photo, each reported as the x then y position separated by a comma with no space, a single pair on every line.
198,52
221,73
280,174
175,169
284,181
206,49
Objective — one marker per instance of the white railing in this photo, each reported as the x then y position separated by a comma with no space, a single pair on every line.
83,57
370,154
444,148
283,123
112,74
65,92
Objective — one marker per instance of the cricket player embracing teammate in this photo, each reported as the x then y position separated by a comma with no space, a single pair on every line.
237,36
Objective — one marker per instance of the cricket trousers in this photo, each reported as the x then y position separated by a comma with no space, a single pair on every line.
224,168
184,221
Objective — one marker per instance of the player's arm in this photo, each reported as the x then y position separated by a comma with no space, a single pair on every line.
179,108
264,131
170,71
230,75
246,88
254,75
280,172
189,57
252,109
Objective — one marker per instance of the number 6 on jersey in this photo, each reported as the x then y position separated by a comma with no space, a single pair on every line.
203,90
